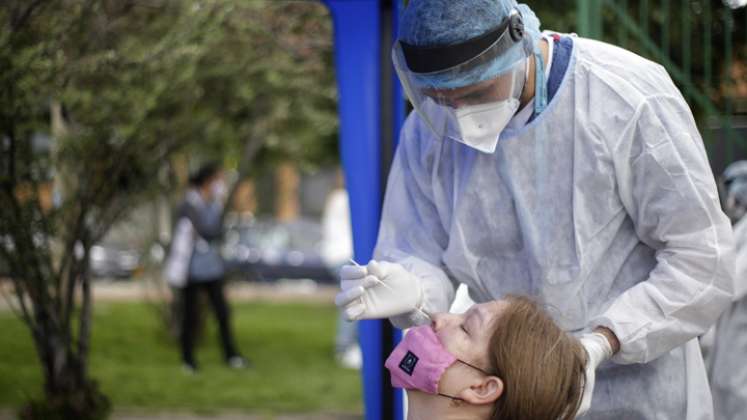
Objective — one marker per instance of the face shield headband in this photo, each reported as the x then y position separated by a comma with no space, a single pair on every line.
435,59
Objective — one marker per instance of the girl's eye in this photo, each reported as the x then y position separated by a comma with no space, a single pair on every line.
464,329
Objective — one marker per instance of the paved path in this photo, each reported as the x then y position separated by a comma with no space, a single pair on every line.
137,415
234,416
140,289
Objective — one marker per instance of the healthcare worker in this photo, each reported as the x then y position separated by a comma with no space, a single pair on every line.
726,362
560,167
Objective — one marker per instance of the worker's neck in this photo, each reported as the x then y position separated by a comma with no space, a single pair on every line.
422,406
529,87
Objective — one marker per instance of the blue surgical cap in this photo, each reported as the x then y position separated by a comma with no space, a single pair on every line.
429,23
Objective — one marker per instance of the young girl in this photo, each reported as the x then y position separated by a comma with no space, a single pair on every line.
505,359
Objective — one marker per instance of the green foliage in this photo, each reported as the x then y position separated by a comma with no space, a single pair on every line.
140,80
138,365
266,76
121,86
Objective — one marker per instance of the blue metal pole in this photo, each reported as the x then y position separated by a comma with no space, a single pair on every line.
399,113
356,37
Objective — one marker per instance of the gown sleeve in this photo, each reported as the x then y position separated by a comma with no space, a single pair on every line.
667,187
411,232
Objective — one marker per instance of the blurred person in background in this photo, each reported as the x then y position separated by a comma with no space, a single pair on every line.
727,370
195,264
337,250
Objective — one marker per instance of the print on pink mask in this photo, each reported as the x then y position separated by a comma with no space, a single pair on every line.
419,360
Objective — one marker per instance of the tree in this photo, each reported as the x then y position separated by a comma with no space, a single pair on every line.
121,86
283,106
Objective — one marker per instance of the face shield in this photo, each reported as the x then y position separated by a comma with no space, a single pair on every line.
467,92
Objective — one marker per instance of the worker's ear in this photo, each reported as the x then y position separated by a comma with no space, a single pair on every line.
483,390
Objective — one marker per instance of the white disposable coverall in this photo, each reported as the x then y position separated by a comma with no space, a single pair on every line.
728,359
604,207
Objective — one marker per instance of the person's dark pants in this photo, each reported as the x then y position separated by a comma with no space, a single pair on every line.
190,296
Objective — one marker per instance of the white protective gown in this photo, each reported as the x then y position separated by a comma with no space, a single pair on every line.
604,207
728,359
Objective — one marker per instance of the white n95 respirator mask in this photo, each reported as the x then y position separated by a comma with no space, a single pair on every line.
481,125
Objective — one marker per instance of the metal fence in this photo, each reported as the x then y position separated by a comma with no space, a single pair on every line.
702,44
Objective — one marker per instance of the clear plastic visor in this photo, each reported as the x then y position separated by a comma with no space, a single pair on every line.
497,74
500,88
465,79
437,106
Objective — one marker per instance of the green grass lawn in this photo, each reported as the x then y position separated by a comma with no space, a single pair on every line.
137,364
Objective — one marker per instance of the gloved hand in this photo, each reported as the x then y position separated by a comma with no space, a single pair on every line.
598,349
379,290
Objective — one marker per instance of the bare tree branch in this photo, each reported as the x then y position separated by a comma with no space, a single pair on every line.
22,310
84,320
19,288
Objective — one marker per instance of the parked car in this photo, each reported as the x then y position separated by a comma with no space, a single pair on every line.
107,259
114,260
267,250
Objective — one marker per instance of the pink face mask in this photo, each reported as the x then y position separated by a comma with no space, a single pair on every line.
419,361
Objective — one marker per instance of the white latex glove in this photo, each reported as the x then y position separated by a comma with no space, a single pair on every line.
379,290
598,349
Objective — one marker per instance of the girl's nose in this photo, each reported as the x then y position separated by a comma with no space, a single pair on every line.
439,321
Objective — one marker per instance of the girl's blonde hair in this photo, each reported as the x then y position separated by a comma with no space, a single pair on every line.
541,366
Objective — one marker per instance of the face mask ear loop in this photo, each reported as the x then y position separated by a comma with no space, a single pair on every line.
526,73
450,397
540,87
473,367
540,103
